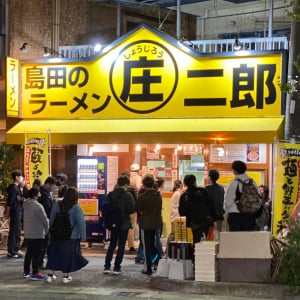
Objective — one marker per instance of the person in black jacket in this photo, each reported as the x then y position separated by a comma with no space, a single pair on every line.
14,211
196,205
216,193
47,202
124,200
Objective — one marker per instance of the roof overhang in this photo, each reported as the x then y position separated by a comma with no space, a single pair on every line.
133,131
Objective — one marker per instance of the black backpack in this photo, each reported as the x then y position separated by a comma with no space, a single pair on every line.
61,228
200,207
112,214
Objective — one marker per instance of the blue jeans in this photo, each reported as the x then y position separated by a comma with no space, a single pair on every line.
119,237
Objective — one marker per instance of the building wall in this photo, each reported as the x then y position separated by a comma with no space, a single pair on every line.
80,22
241,18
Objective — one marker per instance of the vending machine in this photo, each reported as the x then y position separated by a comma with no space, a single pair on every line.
96,176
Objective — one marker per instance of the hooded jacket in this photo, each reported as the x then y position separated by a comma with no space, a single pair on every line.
125,201
36,224
149,205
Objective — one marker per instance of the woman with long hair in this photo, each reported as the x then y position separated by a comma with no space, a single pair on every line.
65,255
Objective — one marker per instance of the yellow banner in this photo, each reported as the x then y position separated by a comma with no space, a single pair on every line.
12,87
149,74
36,157
287,184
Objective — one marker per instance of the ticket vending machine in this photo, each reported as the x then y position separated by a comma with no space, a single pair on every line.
92,187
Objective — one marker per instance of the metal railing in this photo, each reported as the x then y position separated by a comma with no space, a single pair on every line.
77,51
203,46
255,44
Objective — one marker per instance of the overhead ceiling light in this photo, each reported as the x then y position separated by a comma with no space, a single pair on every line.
24,47
237,45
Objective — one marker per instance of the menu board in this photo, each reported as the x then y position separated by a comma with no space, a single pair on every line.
227,153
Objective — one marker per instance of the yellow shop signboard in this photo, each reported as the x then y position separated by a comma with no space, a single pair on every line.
149,74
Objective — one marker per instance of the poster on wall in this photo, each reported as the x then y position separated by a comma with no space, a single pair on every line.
36,157
287,187
252,152
227,153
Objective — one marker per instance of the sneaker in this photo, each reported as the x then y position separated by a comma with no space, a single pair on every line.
10,255
147,272
106,271
38,276
139,261
117,271
51,278
67,279
26,274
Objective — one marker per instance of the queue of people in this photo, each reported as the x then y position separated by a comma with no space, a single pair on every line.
140,202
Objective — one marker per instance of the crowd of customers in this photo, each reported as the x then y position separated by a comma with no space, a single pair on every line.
140,203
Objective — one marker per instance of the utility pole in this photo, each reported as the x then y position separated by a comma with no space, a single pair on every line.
292,115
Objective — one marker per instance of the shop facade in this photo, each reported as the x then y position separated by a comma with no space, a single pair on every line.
187,111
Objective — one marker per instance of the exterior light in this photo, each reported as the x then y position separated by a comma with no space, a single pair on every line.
237,45
24,47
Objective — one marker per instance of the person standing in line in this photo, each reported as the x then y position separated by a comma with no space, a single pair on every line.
135,184
236,220
61,183
14,211
65,255
37,183
47,202
158,185
24,194
263,220
196,205
174,213
124,200
36,225
149,206
216,193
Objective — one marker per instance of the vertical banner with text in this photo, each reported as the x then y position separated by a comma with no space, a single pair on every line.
36,157
286,184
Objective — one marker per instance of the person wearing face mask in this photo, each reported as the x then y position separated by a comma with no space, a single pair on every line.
13,211
47,202
61,183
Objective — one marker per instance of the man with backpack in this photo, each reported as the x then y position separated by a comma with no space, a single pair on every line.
198,208
242,200
116,209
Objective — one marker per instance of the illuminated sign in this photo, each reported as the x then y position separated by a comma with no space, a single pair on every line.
12,87
148,74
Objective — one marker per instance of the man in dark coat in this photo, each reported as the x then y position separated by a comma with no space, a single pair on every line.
14,210
124,200
198,208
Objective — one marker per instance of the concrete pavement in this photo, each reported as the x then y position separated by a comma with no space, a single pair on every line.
90,283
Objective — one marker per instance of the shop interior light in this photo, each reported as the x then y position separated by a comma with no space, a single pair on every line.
115,148
24,47
179,147
138,147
